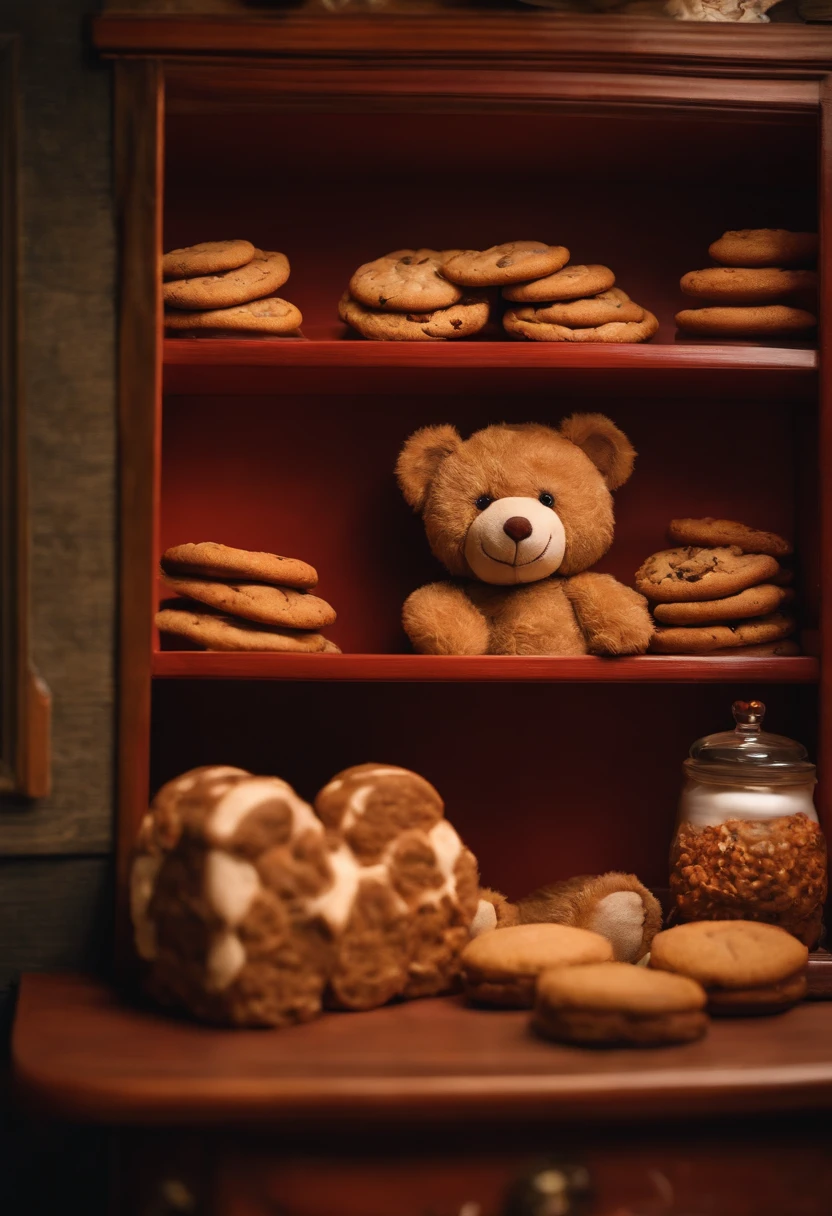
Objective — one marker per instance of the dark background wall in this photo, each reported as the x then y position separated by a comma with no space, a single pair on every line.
54,855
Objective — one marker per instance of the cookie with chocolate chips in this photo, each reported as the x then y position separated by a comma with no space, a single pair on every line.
461,320
409,280
701,639
692,572
513,262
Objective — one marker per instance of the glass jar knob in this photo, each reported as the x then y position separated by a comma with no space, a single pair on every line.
748,716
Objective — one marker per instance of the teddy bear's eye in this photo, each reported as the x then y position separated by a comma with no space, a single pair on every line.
547,499
484,500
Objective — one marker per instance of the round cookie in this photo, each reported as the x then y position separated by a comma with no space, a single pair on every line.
501,967
765,247
257,602
710,531
209,257
618,1003
461,320
753,602
512,262
607,306
693,639
784,649
571,283
207,559
216,632
758,321
409,280
736,285
264,274
692,572
269,316
744,966
525,323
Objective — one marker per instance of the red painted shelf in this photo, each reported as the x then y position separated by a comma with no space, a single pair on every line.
320,364
653,669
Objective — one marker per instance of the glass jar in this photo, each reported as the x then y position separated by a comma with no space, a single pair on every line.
748,845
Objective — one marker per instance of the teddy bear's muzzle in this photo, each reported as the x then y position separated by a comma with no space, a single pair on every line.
515,540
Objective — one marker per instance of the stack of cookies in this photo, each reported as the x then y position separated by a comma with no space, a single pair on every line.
227,286
722,591
576,303
234,599
760,289
405,296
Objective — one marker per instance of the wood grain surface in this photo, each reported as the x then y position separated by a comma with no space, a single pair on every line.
82,1052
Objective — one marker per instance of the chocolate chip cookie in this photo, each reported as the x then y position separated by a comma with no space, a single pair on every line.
692,572
216,632
755,321
607,306
525,322
570,283
257,602
761,650
209,257
264,274
765,247
710,531
207,559
269,316
513,262
461,320
735,285
693,639
753,602
409,280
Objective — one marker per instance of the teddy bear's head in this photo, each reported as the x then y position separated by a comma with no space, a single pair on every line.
514,504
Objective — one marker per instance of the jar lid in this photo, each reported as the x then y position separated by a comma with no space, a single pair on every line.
748,748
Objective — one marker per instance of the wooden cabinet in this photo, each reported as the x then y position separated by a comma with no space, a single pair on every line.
335,138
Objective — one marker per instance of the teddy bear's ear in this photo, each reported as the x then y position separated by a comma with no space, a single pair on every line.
607,447
420,458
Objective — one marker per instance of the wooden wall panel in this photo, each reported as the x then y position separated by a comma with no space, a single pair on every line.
68,292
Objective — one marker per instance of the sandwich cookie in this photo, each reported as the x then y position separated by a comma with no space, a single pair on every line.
501,967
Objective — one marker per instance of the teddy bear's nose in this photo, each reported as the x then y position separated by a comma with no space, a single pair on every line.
518,527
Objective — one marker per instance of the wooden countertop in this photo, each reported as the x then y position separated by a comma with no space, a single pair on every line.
82,1053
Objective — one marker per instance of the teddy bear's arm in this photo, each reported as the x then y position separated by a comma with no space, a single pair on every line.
440,619
614,618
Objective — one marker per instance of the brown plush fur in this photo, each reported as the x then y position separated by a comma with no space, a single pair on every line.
575,902
570,612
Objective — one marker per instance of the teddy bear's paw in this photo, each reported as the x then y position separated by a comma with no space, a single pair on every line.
440,619
615,619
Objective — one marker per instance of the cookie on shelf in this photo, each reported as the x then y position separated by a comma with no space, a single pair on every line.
209,257
208,559
695,572
701,639
408,280
570,283
501,967
751,247
526,322
606,1003
710,531
746,285
460,320
259,602
262,276
511,262
754,321
745,605
216,631
269,316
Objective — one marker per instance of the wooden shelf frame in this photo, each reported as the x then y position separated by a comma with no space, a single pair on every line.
649,669
291,61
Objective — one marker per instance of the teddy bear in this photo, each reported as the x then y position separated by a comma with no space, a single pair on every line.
618,906
517,514
252,908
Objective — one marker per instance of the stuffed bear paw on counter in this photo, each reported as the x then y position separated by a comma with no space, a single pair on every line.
518,514
251,909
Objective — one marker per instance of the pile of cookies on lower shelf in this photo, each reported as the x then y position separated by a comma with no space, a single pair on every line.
227,287
433,295
722,590
235,599
579,995
762,287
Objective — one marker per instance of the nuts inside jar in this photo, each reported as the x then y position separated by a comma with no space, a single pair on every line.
771,870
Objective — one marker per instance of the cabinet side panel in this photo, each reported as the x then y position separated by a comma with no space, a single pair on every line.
138,151
825,456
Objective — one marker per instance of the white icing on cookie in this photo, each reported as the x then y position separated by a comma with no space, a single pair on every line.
357,804
447,847
142,882
230,886
225,961
247,796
